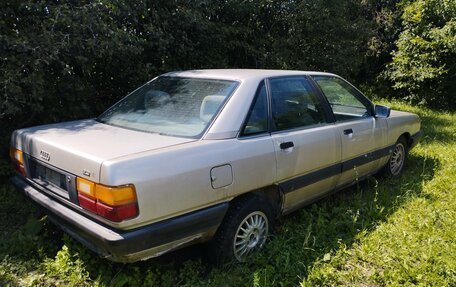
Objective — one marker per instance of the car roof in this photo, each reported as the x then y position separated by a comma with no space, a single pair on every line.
241,74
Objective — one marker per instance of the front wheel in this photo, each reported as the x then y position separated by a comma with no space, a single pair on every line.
398,158
245,229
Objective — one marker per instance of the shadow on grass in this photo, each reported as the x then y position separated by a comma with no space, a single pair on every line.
434,129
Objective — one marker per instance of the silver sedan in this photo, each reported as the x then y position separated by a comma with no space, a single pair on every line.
207,155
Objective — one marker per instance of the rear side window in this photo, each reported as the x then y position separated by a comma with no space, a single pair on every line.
294,104
257,118
345,101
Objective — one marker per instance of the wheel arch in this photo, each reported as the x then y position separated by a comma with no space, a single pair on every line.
408,139
271,193
266,199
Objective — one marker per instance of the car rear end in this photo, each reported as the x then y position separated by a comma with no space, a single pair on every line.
58,159
58,168
67,169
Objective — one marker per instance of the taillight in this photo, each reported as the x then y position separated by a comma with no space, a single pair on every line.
17,158
115,203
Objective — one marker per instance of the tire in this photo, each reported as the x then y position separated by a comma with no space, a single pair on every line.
397,161
245,229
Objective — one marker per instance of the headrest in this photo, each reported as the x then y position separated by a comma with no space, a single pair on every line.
209,106
155,99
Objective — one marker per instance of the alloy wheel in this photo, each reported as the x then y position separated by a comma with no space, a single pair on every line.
250,235
397,159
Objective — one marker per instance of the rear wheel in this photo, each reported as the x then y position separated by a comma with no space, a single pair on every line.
250,235
245,229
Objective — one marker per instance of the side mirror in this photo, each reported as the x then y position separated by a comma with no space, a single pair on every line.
382,111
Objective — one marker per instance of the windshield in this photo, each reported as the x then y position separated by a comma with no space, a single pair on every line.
171,106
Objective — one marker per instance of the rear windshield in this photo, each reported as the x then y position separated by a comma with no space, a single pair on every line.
173,106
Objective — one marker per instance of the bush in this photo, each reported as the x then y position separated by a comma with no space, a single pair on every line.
424,64
63,60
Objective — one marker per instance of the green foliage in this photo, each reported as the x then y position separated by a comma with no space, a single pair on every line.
67,268
56,56
63,60
386,16
380,233
424,64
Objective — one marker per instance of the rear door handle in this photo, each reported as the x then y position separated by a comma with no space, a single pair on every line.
348,131
286,145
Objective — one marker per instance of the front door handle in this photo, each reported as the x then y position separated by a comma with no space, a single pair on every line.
286,145
348,131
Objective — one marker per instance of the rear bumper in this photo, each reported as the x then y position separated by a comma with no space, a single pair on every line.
127,245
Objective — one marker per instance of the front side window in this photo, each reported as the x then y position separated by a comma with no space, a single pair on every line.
345,101
174,106
294,104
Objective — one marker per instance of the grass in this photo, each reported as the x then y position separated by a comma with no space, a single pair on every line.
380,233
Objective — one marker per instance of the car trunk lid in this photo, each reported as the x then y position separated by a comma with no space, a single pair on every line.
80,147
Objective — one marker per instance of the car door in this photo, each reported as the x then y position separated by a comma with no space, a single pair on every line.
306,145
255,166
361,134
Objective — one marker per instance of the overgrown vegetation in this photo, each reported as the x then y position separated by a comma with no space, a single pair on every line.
424,63
382,232
62,60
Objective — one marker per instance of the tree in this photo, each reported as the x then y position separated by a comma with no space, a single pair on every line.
424,64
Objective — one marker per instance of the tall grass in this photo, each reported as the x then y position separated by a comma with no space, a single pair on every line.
382,232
